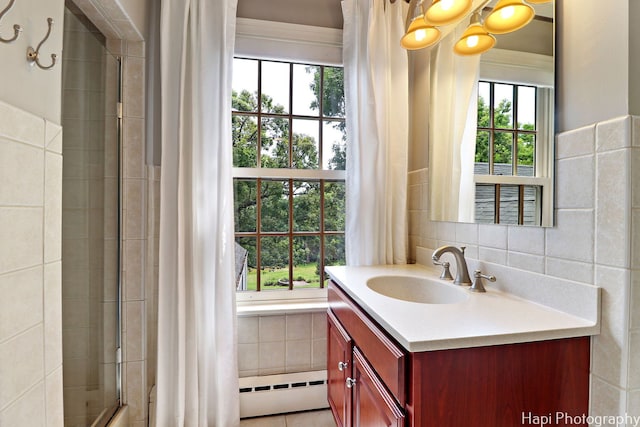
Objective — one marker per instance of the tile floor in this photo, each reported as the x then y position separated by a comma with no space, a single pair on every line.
322,418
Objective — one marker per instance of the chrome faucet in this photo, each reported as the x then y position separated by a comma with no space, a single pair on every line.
462,272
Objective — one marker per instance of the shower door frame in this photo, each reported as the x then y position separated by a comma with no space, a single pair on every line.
112,71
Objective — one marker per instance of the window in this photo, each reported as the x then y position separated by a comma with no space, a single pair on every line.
289,157
510,167
513,169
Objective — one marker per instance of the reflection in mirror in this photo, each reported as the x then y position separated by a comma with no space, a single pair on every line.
491,127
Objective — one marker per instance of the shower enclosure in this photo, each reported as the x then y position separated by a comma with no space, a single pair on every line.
91,81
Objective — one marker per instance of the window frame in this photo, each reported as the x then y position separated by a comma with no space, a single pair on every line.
278,41
528,69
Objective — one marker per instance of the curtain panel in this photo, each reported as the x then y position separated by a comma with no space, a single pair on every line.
197,377
377,111
452,130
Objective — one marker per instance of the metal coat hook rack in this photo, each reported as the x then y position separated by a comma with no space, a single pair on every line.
33,55
16,28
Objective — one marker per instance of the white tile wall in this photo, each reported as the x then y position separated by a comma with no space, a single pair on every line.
278,344
14,415
529,240
595,240
571,193
30,295
572,237
140,210
613,227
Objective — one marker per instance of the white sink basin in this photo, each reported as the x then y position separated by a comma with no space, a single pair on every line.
417,289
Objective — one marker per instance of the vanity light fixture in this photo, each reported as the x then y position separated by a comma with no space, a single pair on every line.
475,39
443,12
422,27
508,16
419,34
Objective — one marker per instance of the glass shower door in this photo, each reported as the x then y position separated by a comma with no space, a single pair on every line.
91,225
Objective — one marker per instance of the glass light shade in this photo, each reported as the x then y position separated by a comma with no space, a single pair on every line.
419,35
443,12
474,41
508,16
538,1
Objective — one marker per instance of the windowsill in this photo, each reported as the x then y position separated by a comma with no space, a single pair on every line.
281,302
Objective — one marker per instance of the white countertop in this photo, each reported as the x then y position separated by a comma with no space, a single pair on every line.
490,318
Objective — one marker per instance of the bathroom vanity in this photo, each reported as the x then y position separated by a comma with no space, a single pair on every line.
483,360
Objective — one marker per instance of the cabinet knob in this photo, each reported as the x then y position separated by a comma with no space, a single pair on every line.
342,366
351,382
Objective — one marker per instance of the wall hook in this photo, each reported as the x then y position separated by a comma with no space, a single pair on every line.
34,55
16,27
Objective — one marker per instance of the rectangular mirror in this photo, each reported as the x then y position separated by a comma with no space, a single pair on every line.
491,127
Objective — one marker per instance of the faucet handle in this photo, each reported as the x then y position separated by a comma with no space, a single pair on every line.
446,273
478,286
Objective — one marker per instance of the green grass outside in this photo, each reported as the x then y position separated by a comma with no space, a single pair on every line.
306,271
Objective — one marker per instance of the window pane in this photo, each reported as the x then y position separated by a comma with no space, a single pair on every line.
485,203
274,269
244,202
275,87
274,212
483,104
503,106
333,92
306,262
306,134
334,206
509,195
502,153
334,251
501,125
296,122
532,204
334,145
275,143
246,266
245,141
526,107
245,85
305,90
526,154
482,153
306,206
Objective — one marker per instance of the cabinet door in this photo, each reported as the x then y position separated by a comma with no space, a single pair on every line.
373,405
338,370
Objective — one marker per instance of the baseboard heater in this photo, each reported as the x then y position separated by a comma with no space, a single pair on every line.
278,394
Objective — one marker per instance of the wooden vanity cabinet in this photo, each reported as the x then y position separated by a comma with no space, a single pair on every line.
372,404
339,349
497,386
356,394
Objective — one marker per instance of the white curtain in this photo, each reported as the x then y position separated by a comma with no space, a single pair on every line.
197,378
452,131
377,99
